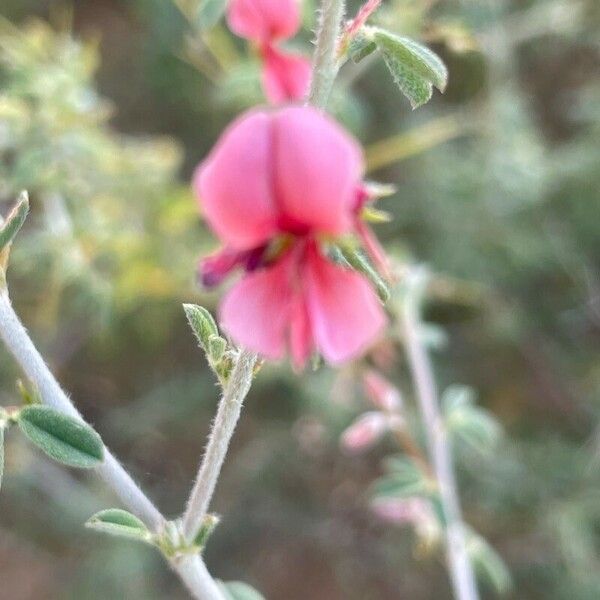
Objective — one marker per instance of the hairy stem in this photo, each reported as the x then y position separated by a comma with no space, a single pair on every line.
325,63
459,564
192,572
199,582
228,414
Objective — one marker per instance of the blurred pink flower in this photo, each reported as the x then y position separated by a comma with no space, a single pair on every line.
402,511
275,184
381,392
416,512
285,76
368,429
264,21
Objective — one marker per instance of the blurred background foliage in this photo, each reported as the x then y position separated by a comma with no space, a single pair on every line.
106,106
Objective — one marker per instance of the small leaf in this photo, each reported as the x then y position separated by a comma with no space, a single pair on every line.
361,46
472,424
415,68
209,523
488,564
236,590
356,259
14,221
120,523
209,13
404,479
202,323
63,438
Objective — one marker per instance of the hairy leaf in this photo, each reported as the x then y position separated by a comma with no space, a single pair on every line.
415,68
202,323
63,438
117,522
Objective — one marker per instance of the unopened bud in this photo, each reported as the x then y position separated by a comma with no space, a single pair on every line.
209,523
381,392
364,432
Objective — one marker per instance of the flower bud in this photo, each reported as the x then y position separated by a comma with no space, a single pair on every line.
364,432
381,392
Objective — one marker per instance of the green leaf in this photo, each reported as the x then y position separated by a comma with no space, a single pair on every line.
488,564
14,221
210,13
63,438
415,68
202,323
404,479
473,425
361,46
216,348
236,590
117,522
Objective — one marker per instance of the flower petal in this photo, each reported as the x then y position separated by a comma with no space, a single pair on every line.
256,311
234,184
285,77
345,314
317,169
301,338
264,20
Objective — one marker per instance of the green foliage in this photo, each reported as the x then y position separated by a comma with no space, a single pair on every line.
217,349
100,197
488,564
470,423
415,68
63,438
404,478
361,46
202,323
120,523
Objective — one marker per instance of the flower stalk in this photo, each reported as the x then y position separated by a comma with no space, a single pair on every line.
459,563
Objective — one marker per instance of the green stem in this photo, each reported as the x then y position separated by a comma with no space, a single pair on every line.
228,414
192,570
459,563
325,63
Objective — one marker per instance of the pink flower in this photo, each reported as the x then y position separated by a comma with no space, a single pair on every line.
264,21
403,511
285,76
278,183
